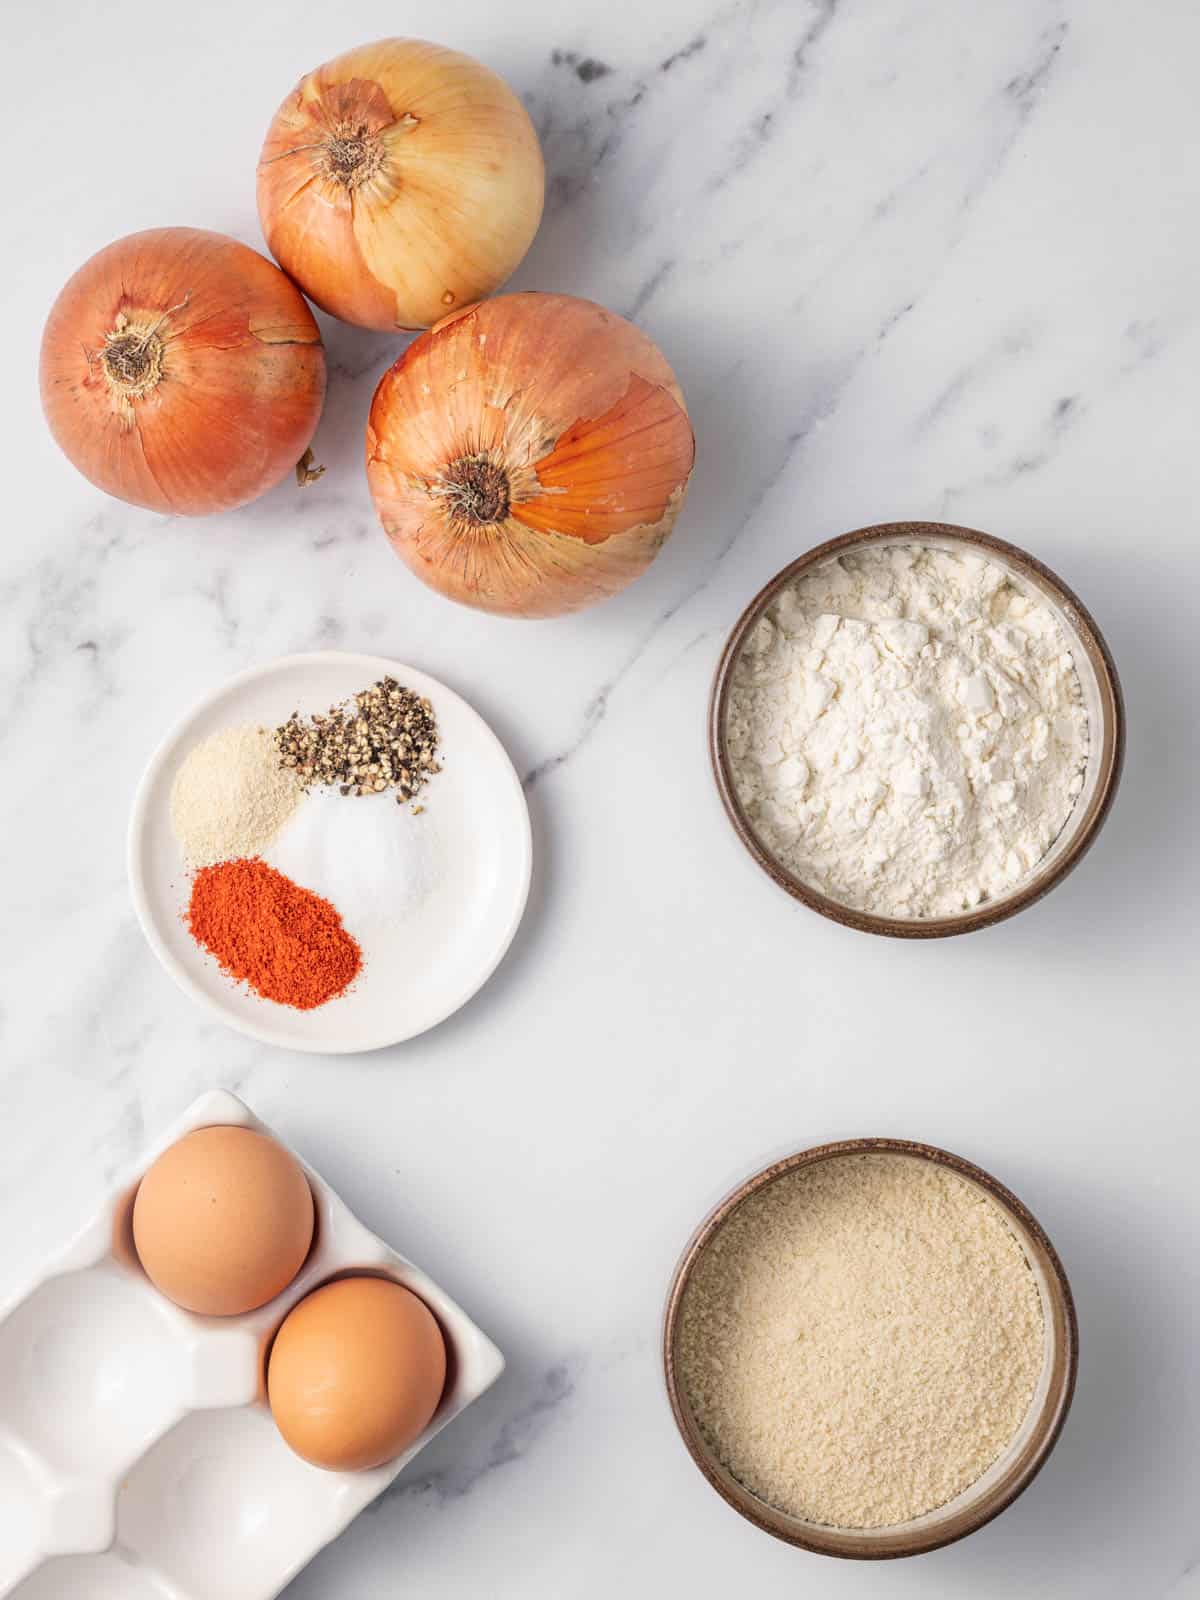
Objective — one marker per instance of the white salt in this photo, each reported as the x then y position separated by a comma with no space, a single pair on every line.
375,860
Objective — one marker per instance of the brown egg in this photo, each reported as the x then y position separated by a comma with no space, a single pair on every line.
223,1221
355,1373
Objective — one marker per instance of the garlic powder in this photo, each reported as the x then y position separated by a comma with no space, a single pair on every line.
906,730
231,796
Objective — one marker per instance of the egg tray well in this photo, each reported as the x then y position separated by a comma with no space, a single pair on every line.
138,1457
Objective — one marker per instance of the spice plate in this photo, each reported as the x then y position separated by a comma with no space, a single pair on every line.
138,1459
434,899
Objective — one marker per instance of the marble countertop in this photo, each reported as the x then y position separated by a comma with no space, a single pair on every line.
910,258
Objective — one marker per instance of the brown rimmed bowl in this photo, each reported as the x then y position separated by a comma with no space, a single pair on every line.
1004,1480
1101,693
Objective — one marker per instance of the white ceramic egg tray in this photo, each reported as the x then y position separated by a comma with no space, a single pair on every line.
138,1458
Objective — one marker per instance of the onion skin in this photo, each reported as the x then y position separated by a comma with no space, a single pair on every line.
225,366
399,181
529,455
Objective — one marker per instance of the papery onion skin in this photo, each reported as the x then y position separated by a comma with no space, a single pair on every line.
182,371
529,455
399,181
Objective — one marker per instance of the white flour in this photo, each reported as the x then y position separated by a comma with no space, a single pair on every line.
906,730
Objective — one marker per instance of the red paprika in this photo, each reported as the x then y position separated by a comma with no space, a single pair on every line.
287,943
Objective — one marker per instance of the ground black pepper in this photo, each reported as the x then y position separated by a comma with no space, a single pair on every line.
386,737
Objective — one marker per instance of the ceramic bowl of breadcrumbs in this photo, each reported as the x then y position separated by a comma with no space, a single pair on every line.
870,1348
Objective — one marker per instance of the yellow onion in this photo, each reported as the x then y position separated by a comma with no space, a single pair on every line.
399,181
182,371
530,454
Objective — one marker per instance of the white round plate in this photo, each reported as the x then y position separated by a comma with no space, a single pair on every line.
467,871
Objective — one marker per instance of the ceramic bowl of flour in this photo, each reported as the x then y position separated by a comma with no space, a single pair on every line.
916,729
793,1359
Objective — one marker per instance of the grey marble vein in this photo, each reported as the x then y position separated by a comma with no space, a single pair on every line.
517,1434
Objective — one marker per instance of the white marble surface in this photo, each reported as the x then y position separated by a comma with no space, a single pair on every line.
910,258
